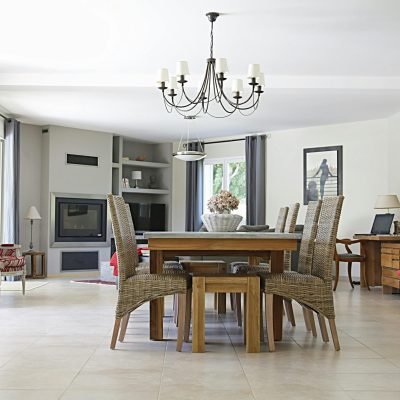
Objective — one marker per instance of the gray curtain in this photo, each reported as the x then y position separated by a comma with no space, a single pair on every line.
11,181
194,192
255,180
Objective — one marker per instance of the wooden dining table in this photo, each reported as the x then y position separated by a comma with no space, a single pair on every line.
253,245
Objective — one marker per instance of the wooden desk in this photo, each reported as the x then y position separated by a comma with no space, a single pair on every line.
250,244
371,247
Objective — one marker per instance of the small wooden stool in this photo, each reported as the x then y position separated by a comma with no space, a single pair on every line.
228,283
209,267
33,254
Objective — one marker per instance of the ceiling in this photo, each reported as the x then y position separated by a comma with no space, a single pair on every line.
92,64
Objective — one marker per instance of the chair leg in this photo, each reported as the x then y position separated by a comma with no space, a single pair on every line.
23,284
322,326
306,319
334,334
336,276
262,339
312,323
349,274
181,320
188,315
175,309
124,326
269,317
289,311
232,300
114,337
238,305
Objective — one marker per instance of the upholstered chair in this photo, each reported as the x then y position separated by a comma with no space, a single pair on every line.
12,263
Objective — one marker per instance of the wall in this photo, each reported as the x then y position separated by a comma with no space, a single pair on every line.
393,127
365,169
30,182
73,179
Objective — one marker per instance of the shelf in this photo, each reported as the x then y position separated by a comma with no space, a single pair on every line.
144,191
145,164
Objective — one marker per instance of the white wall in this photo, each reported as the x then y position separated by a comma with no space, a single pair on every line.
393,126
30,182
365,169
74,179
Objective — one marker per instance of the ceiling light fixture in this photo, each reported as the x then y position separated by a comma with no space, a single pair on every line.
189,155
212,89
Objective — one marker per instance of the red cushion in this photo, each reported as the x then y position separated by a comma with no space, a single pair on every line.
114,261
12,263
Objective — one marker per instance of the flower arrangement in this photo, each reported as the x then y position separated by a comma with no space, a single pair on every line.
223,201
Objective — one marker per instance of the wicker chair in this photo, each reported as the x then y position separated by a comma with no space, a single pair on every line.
314,289
12,263
136,288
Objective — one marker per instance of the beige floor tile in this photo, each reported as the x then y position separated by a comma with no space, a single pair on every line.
30,394
365,395
113,394
67,352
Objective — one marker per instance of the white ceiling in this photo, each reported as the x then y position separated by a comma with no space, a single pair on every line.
92,64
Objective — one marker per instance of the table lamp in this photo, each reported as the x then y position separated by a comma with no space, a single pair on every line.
136,175
32,214
387,201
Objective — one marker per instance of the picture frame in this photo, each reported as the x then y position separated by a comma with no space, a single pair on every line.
322,172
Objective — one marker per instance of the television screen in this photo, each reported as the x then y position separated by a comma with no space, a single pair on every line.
148,217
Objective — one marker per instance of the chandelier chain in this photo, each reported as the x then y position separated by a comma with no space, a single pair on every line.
212,40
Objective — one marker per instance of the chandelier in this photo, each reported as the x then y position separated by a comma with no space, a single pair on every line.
212,89
183,153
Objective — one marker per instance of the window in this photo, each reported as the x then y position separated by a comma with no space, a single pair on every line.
226,174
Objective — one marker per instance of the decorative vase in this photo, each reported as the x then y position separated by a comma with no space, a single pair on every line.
221,222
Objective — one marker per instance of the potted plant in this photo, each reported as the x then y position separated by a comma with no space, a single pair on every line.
220,219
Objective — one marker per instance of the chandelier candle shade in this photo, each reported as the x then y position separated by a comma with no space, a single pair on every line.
32,215
212,92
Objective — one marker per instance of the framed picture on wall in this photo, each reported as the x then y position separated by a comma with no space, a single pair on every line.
322,172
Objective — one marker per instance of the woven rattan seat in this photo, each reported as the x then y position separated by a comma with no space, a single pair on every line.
136,288
312,288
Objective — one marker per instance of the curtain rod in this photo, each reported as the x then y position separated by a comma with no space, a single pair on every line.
225,141
1,115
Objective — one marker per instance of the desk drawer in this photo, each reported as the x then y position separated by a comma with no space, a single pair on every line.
390,260
391,282
390,273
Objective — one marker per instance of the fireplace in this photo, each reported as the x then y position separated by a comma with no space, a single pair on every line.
80,220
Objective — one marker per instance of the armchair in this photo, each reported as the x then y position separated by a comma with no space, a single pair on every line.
12,263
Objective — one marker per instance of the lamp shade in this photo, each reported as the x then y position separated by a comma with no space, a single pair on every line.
136,174
387,201
32,213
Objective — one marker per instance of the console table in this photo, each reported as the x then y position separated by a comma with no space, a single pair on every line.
375,247
34,273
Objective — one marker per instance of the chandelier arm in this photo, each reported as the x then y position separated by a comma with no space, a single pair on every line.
177,106
183,113
169,111
252,106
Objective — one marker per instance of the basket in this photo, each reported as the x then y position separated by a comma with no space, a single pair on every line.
221,222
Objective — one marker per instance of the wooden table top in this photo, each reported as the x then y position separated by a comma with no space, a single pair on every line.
377,238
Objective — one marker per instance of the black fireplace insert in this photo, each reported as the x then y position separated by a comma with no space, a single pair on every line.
80,220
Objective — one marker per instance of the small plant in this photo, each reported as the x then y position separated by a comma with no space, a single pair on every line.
223,201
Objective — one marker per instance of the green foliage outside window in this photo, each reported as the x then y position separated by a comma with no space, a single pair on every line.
237,179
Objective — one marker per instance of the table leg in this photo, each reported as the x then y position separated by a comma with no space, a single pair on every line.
277,266
33,266
253,315
372,252
221,303
156,306
198,324
44,267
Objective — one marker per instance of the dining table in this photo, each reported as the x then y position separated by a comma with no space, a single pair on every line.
253,245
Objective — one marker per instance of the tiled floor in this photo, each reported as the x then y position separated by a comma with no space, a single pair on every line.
54,344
